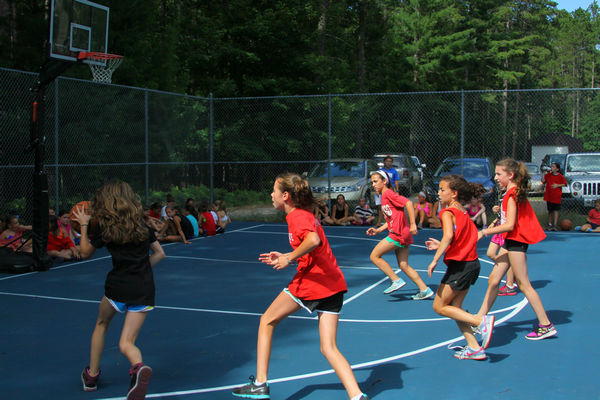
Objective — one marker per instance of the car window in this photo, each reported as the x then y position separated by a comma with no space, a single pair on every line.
471,168
532,169
344,168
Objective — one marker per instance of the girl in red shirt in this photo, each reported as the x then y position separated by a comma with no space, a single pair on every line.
521,228
459,242
318,285
554,182
593,219
399,237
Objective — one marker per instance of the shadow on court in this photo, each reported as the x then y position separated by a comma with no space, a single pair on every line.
382,378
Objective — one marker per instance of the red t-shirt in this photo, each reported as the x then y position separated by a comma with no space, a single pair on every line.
318,275
208,224
464,244
59,243
392,206
527,227
594,216
553,195
153,214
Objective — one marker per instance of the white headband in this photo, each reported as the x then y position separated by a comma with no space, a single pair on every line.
384,174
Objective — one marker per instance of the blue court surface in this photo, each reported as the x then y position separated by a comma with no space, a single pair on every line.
201,338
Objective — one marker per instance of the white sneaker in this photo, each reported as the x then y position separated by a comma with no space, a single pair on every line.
486,328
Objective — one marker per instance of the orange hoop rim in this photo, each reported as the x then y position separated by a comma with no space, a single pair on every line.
92,55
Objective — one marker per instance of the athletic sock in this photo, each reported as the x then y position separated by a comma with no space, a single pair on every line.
514,285
258,383
358,396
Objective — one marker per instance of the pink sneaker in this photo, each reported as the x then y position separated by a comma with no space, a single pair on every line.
140,379
90,383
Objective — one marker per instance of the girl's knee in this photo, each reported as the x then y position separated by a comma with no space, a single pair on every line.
267,320
125,346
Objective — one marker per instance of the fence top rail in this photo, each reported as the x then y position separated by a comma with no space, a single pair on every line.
413,93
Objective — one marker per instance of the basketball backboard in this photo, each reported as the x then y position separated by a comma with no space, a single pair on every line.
77,26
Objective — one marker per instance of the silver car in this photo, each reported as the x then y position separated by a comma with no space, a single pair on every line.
349,176
536,187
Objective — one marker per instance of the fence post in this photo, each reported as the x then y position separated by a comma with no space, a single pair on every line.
329,119
211,147
462,131
146,150
56,180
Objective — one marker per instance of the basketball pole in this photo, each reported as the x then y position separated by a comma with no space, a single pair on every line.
37,142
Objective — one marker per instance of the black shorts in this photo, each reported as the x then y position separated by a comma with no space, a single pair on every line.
460,275
513,245
552,206
593,225
332,304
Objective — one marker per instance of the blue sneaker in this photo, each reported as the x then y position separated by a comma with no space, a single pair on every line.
252,391
424,294
486,328
395,286
467,353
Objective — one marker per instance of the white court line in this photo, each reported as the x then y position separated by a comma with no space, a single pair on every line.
518,307
74,263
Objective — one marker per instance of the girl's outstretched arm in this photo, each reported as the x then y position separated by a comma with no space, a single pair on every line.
158,253
281,260
408,207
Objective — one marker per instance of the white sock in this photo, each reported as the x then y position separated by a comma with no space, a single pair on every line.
258,383
514,285
357,397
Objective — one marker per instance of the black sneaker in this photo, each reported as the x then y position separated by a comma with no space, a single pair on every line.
90,383
251,391
140,379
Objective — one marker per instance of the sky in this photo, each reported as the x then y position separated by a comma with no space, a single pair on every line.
572,5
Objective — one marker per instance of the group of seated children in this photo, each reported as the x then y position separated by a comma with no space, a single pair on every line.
175,224
340,213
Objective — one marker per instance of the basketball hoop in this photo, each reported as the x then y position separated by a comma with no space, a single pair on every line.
102,65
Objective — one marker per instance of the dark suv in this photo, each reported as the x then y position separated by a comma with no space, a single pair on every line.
474,169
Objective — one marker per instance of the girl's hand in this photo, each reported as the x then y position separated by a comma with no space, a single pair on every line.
480,235
80,215
269,258
413,229
432,244
372,231
495,209
431,267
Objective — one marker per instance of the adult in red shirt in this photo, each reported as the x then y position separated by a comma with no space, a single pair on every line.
459,243
318,285
399,237
593,219
554,182
522,229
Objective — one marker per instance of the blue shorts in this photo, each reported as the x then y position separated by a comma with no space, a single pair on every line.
124,307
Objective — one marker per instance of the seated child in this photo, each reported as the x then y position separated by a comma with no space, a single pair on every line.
12,235
363,214
593,219
177,228
207,219
222,217
60,245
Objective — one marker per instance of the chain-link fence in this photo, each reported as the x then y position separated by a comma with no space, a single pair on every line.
205,147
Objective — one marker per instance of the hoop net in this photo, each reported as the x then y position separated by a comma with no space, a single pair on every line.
103,65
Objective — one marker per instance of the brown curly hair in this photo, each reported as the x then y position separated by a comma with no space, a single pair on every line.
119,213
520,177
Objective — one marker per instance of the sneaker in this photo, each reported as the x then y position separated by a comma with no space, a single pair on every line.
507,290
422,295
90,383
364,397
542,332
140,379
467,353
486,328
251,391
395,286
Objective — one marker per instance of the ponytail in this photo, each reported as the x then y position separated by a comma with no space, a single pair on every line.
298,188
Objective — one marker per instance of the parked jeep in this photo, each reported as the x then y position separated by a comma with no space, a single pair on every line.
582,171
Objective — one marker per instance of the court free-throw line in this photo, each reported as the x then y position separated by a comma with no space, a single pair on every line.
519,306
